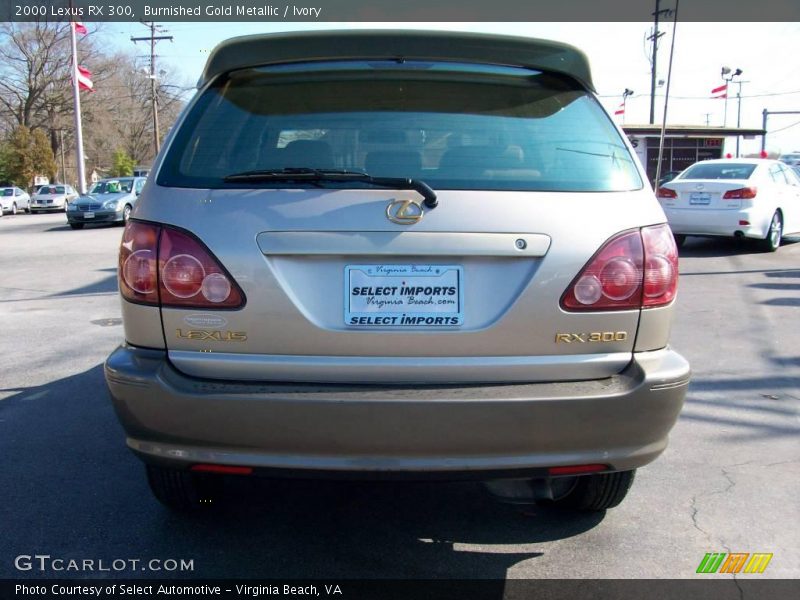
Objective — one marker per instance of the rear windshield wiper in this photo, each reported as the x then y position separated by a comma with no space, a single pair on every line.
316,175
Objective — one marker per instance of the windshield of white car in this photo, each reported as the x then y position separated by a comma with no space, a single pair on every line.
116,186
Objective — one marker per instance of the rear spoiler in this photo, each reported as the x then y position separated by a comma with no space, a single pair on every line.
308,46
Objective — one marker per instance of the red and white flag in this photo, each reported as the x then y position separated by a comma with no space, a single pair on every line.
620,109
85,79
80,28
720,92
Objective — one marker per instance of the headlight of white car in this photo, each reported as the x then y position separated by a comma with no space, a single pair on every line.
110,204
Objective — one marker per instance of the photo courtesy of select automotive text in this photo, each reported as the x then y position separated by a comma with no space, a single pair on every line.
383,300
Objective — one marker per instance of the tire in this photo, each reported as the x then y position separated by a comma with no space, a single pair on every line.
597,492
28,209
126,213
680,239
183,490
14,208
76,225
774,234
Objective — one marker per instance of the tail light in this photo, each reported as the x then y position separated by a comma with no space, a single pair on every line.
636,269
163,266
745,193
666,194
660,266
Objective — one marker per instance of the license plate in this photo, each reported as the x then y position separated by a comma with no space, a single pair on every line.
699,198
88,215
404,295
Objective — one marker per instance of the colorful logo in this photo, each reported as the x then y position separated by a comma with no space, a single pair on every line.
738,562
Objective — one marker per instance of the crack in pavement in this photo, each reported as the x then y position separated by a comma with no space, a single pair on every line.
695,510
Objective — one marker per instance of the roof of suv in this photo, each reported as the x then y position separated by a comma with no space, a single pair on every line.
309,46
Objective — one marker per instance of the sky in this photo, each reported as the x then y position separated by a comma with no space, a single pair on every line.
767,53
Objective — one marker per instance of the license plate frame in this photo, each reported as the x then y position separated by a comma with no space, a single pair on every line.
419,296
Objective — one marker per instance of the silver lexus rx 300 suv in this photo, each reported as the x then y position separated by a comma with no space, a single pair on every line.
398,254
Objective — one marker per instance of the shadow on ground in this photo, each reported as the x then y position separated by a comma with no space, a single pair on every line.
695,246
71,489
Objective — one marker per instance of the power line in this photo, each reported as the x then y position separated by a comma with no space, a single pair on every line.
784,128
708,97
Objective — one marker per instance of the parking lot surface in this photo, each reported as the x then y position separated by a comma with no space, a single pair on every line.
69,488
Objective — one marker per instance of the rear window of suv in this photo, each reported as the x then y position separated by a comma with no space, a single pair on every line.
453,126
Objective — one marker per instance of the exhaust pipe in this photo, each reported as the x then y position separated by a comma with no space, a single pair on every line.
519,491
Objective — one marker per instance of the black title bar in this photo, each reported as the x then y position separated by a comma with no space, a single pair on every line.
406,11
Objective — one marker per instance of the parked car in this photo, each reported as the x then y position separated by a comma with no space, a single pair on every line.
449,266
53,197
109,201
668,176
13,199
743,198
792,159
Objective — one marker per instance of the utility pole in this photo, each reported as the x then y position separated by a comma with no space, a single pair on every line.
153,39
654,39
63,163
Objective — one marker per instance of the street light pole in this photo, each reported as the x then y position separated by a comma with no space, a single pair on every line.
727,80
625,94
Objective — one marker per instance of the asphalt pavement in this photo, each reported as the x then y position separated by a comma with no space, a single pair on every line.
69,488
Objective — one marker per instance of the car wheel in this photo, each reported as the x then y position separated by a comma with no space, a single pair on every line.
76,225
126,213
14,208
774,234
183,490
680,239
592,492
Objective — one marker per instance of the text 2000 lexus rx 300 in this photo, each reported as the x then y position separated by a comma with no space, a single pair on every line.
398,254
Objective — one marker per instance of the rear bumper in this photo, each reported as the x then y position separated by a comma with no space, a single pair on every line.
442,431
718,222
104,216
47,207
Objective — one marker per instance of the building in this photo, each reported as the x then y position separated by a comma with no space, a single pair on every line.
684,145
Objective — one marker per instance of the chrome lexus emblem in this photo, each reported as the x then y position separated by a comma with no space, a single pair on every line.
404,212
699,186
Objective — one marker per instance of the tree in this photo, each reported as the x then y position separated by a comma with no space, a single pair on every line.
36,93
27,155
123,164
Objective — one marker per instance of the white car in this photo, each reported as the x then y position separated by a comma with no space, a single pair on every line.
792,159
743,198
53,197
13,199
